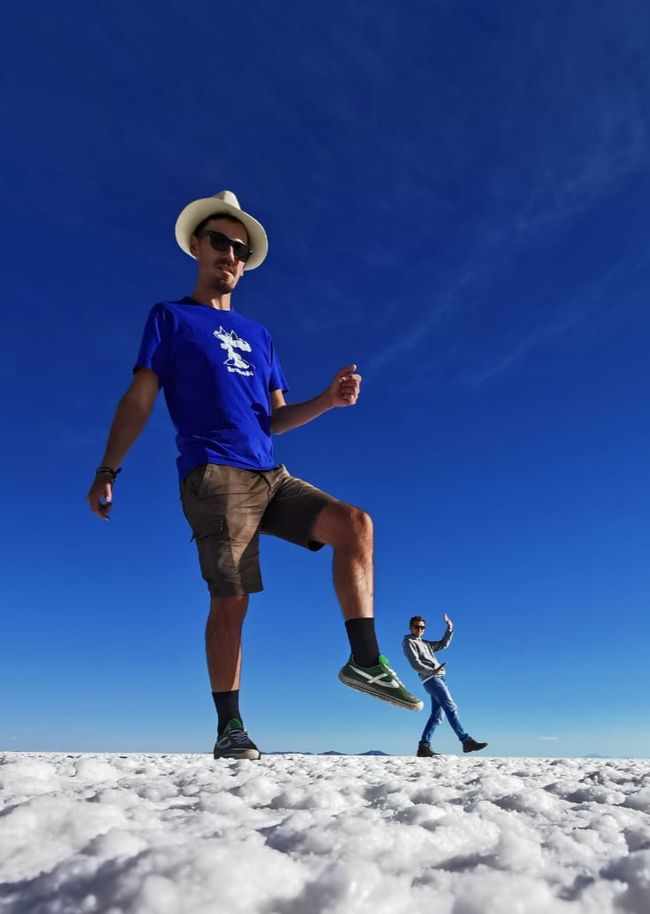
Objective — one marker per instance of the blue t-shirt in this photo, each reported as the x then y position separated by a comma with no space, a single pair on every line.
217,370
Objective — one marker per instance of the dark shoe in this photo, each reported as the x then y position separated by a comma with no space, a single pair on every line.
381,682
425,751
470,745
235,742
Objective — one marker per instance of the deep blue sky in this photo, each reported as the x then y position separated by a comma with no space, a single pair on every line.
457,199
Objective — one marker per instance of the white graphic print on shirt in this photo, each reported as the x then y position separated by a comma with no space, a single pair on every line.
231,342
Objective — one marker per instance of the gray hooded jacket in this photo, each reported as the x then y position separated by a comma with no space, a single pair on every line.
420,654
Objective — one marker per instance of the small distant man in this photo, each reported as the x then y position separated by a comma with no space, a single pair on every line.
224,387
420,654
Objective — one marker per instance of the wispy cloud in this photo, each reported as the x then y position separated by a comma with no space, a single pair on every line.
568,157
517,352
548,737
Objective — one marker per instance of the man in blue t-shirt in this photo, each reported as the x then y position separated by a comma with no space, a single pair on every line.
224,387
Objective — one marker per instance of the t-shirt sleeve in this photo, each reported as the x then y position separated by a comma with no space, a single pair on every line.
277,379
155,345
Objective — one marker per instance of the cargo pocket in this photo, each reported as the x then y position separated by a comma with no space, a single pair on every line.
215,553
190,493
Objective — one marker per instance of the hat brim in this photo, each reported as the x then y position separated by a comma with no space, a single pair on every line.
198,210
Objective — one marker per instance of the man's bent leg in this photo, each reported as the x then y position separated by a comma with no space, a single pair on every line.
302,514
349,531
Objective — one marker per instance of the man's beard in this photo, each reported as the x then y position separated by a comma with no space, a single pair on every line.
221,285
223,278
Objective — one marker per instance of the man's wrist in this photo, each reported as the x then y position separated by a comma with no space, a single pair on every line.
107,471
327,400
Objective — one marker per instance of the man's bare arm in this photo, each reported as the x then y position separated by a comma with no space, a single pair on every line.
343,391
131,416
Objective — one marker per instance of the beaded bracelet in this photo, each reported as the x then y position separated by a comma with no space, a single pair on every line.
108,471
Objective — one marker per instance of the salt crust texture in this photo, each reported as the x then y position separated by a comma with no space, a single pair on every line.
182,834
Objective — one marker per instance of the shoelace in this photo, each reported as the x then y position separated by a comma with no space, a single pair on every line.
238,736
390,670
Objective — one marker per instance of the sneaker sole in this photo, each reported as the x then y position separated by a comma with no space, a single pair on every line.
382,696
248,754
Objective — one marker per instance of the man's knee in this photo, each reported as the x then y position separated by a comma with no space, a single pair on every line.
359,525
344,526
228,610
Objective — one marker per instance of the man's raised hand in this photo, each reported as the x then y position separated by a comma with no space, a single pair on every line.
448,621
344,389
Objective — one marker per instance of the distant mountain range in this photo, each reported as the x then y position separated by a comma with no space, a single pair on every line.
369,752
329,752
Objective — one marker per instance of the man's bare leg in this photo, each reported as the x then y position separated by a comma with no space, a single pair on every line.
348,530
223,650
223,641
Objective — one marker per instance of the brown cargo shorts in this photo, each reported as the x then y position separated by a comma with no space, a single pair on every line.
227,509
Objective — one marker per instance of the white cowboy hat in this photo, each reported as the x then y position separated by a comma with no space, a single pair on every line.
224,202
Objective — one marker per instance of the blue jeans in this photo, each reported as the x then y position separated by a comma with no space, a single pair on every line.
441,700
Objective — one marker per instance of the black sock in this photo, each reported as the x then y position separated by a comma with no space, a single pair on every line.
227,705
363,641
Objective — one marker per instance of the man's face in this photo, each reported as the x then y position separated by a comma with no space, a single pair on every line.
219,269
417,629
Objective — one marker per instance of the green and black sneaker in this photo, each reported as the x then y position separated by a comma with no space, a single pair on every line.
380,681
235,742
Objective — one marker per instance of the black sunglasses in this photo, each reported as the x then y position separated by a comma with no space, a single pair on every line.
221,242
